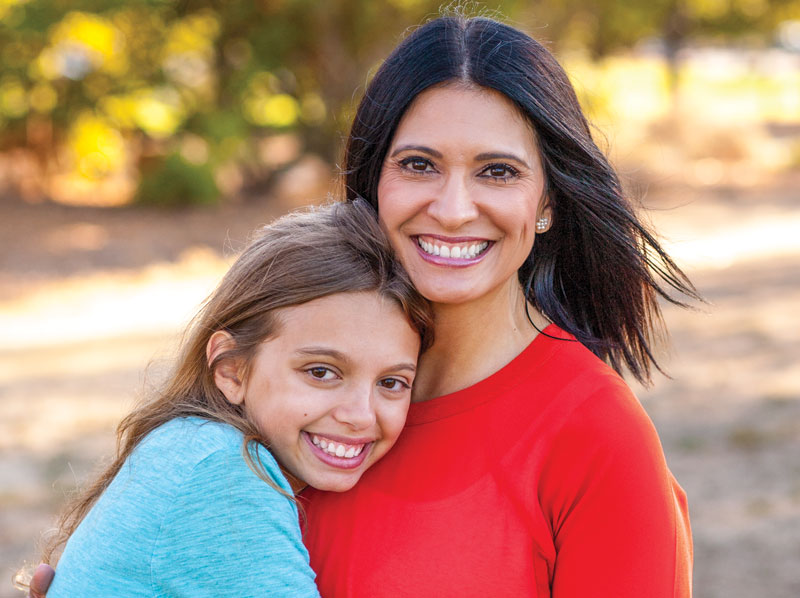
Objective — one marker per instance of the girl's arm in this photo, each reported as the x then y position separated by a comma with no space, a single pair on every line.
225,532
230,534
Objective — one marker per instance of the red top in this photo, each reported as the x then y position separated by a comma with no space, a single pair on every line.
545,479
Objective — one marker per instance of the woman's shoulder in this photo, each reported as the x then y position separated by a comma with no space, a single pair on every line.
590,395
573,368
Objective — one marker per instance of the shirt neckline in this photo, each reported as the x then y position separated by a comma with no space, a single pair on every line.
536,353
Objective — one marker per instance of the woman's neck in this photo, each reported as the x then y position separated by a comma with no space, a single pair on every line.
474,340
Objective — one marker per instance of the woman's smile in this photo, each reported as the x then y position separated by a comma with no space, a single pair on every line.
459,193
452,252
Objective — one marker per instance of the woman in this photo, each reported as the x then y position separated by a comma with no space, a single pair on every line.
527,467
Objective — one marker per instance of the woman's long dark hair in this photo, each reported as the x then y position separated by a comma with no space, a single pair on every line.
598,271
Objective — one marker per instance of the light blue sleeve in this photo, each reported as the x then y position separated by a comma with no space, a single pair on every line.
228,533
185,517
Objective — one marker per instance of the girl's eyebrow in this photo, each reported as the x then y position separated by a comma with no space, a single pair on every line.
404,366
323,352
339,356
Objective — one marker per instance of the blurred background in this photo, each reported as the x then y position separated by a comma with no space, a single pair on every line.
141,141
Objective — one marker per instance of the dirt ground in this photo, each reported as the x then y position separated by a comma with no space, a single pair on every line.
90,297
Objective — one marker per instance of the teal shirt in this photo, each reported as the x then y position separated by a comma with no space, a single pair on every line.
186,516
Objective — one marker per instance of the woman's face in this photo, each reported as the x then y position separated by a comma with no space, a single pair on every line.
459,193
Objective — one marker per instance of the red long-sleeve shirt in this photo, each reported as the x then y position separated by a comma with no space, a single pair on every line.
545,479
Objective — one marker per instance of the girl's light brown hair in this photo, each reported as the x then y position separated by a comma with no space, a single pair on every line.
338,248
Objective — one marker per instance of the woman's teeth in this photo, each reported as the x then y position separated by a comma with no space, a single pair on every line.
346,451
462,251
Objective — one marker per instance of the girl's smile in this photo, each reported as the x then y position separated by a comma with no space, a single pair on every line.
346,453
330,390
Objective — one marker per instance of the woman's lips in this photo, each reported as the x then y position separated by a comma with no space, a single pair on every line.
463,251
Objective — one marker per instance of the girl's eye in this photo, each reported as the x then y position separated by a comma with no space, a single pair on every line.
500,172
416,164
321,373
394,384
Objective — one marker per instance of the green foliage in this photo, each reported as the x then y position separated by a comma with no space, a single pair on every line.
149,73
176,182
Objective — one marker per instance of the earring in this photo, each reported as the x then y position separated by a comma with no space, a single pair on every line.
542,224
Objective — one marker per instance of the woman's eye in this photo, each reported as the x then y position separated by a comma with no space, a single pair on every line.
416,164
500,171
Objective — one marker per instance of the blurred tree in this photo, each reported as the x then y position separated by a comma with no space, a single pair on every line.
223,94
172,88
602,26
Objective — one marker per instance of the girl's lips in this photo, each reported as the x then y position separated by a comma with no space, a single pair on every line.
333,460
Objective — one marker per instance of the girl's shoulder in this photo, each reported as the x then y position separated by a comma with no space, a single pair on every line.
201,436
186,445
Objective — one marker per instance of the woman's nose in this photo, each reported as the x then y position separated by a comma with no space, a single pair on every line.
454,204
356,408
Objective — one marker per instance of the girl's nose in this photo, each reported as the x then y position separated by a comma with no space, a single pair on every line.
356,408
454,204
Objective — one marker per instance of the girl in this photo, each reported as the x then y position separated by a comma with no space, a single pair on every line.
298,370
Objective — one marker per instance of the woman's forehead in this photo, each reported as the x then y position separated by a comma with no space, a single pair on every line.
465,114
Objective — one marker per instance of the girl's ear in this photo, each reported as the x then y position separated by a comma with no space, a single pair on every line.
226,374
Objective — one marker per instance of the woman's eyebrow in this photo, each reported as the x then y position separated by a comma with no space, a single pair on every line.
418,148
500,156
480,157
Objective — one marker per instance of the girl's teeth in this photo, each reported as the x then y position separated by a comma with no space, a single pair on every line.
338,450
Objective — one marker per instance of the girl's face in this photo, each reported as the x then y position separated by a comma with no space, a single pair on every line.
460,191
331,390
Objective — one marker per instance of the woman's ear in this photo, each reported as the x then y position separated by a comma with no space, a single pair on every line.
227,372
544,216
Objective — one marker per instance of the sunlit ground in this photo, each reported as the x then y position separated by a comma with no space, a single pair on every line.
88,301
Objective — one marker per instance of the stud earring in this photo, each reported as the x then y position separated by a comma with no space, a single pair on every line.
542,224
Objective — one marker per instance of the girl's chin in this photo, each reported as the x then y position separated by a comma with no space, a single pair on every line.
342,485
